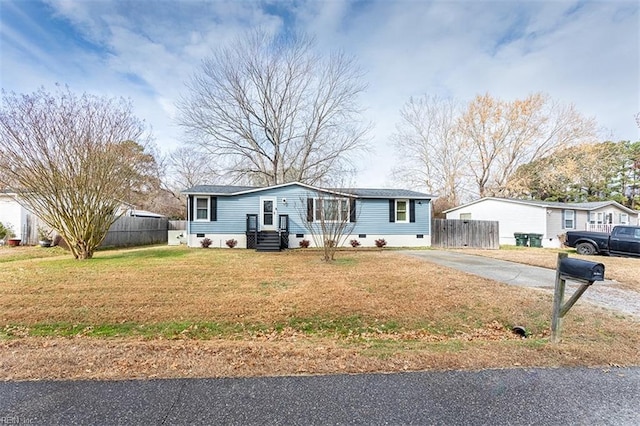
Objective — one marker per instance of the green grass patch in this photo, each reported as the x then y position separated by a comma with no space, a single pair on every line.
315,326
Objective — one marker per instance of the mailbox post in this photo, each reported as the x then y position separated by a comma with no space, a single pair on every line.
582,271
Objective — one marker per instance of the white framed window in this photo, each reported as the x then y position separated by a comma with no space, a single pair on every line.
201,208
624,219
402,211
465,216
569,219
331,210
596,218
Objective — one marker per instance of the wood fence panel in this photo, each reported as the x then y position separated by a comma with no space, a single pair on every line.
177,225
460,233
136,231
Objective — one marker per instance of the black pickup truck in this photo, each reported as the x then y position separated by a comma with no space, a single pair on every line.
623,241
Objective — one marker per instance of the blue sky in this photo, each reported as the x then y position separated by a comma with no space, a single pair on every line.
581,52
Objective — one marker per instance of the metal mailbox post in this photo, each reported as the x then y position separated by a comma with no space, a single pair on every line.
579,270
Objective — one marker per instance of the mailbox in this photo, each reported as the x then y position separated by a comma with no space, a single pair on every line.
582,270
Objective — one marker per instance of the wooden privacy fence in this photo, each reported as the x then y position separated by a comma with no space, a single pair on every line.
460,233
136,231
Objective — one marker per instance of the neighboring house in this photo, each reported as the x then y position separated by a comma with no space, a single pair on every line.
13,215
549,219
401,217
25,223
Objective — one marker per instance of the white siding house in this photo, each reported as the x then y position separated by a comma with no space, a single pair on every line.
549,219
13,215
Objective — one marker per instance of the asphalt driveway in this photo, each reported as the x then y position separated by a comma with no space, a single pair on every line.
600,293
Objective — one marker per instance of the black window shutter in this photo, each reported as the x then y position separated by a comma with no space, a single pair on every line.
190,208
392,210
352,210
309,209
412,210
213,213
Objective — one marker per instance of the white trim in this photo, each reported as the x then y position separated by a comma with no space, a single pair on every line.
406,210
565,219
392,240
274,214
195,208
340,219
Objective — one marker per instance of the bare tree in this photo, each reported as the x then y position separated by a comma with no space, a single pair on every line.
330,218
191,167
268,110
433,153
71,160
504,135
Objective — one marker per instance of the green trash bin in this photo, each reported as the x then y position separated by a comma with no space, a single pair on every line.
536,240
521,239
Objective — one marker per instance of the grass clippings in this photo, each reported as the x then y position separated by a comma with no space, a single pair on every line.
178,312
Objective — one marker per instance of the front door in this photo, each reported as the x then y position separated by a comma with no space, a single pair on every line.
268,212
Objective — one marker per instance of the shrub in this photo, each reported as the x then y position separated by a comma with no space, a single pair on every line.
354,243
231,243
304,243
205,243
329,243
381,243
6,231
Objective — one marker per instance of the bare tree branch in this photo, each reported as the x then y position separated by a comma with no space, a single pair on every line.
268,110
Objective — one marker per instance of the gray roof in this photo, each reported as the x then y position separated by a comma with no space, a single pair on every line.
218,189
226,190
383,193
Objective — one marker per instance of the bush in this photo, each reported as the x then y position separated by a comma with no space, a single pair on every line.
231,243
304,243
354,243
205,243
380,243
6,231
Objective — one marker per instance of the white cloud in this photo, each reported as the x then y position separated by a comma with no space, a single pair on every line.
585,53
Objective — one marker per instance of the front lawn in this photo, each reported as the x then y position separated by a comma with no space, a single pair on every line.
178,312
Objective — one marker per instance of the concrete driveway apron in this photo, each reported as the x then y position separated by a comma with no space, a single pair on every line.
601,293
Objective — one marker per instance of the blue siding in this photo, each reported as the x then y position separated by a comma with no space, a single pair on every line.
372,214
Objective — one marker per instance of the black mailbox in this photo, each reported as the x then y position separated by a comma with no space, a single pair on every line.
582,270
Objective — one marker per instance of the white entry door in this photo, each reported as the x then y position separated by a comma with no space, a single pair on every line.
268,213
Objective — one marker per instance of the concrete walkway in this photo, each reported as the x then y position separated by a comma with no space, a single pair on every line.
600,293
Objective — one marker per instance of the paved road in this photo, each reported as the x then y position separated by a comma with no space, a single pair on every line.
600,293
491,397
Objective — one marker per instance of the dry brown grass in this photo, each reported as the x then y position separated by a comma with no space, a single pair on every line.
282,313
622,269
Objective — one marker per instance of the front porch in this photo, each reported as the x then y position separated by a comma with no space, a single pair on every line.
267,240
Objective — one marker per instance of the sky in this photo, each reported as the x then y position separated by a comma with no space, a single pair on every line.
585,53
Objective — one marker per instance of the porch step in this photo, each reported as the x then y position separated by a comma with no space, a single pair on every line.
268,241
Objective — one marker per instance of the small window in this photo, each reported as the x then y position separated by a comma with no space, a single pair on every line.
624,219
202,208
465,216
402,211
362,235
569,219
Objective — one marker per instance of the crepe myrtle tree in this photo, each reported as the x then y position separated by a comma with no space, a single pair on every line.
330,218
72,159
